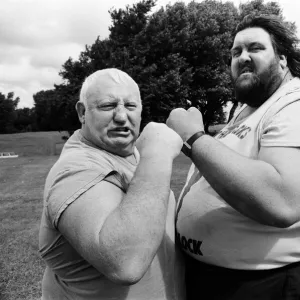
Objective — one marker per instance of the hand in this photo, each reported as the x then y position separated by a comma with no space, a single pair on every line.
185,122
159,139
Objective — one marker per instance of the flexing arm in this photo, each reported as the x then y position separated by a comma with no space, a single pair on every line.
119,234
266,190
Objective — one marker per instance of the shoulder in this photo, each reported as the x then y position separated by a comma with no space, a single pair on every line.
72,177
286,103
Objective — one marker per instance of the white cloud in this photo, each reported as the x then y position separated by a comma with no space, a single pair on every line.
23,94
38,36
25,80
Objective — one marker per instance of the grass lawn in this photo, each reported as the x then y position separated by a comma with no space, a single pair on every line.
21,188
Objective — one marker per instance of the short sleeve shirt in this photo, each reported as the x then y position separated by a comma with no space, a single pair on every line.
212,231
68,275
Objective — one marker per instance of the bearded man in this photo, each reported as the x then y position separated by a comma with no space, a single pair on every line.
238,216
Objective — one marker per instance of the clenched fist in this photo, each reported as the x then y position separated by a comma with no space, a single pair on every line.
159,139
185,122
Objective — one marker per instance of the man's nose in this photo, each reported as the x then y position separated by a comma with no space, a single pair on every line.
120,114
244,57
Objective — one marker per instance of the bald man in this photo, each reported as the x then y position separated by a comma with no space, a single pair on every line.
107,229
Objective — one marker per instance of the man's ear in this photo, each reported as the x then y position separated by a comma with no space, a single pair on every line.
282,61
80,108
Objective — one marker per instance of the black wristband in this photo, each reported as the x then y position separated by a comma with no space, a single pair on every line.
187,145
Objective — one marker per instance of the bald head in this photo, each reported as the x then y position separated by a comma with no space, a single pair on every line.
106,79
109,110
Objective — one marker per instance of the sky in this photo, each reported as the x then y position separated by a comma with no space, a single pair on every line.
38,36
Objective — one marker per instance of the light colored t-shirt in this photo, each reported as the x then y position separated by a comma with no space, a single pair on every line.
212,231
68,275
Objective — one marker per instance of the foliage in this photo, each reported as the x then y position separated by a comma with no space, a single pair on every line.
129,22
54,109
258,7
8,114
47,110
25,119
13,119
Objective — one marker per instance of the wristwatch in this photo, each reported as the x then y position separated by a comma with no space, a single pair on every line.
187,145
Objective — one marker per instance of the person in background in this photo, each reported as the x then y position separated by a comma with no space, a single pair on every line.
107,229
238,216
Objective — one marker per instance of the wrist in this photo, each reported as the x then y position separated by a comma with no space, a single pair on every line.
156,155
156,163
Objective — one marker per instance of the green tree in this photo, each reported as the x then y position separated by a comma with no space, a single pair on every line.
128,22
259,7
8,105
49,111
25,119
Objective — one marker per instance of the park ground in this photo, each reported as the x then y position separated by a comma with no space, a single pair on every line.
21,189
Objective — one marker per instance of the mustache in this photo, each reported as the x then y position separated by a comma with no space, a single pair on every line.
244,68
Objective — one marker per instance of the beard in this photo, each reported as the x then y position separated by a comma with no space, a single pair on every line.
254,89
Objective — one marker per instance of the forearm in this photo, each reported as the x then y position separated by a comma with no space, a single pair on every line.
137,225
252,187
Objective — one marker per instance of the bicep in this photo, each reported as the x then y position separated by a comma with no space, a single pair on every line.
82,220
280,149
286,163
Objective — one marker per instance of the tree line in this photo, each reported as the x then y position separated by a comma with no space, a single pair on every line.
178,55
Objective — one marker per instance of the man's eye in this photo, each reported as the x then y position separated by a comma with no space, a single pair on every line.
256,48
131,105
107,106
235,53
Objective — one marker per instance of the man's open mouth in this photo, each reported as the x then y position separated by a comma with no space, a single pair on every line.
121,129
246,70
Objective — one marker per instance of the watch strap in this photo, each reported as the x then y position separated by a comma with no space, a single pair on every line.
187,145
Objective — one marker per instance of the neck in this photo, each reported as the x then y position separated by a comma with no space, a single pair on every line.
132,159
